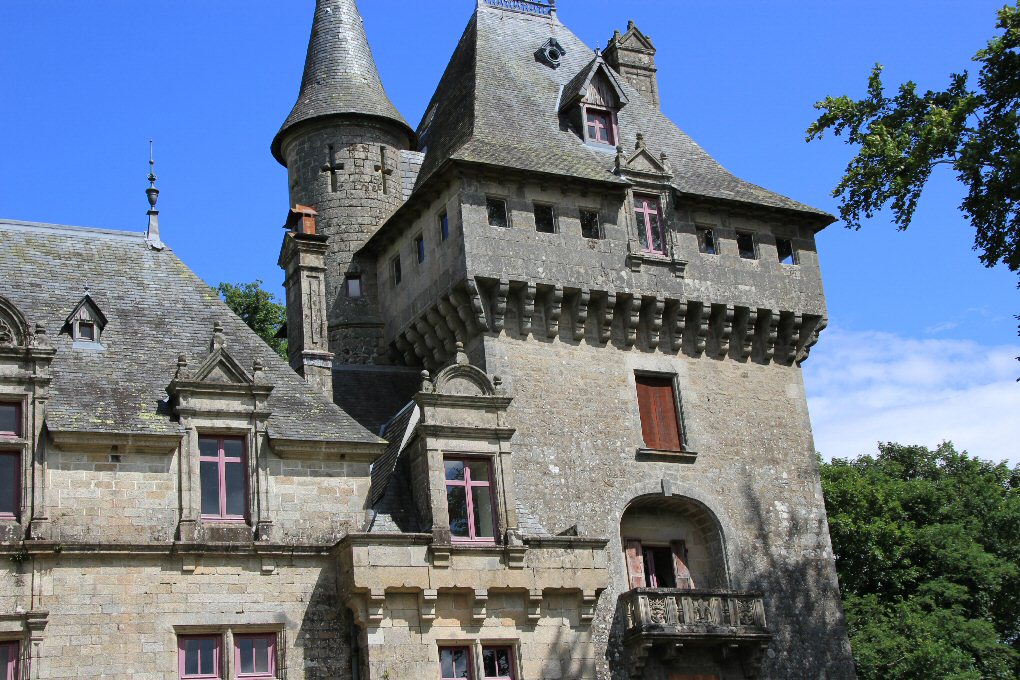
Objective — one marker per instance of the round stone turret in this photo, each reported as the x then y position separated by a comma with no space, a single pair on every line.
341,146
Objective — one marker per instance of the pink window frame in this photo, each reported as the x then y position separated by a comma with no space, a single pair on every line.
470,499
18,425
470,656
16,515
611,128
272,656
513,663
648,203
221,459
217,657
11,649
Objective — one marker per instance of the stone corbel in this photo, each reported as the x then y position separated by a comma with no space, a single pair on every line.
701,317
432,342
589,600
812,340
725,330
453,320
405,350
679,326
474,301
632,318
440,556
555,310
442,330
791,343
581,318
427,601
528,308
375,606
750,318
608,311
658,306
421,349
534,606
769,322
499,305
479,605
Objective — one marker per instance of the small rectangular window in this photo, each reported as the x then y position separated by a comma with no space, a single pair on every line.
745,245
649,225
706,241
353,284
10,485
419,247
496,208
9,660
591,225
784,247
198,657
222,478
444,226
86,331
660,421
455,663
395,270
469,500
545,219
498,663
255,656
10,419
599,126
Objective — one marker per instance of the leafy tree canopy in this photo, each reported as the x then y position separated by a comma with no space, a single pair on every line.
259,309
901,139
927,547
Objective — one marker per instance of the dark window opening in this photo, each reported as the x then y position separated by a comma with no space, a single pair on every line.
86,331
659,567
706,241
649,224
9,660
454,663
784,247
10,419
444,226
498,663
419,247
545,219
591,226
745,245
10,485
395,269
496,208
353,284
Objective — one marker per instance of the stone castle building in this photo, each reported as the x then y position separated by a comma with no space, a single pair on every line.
543,416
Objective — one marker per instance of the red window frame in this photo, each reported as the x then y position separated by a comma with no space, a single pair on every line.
10,650
646,208
661,426
470,662
217,661
257,675
16,432
513,662
469,485
598,120
221,460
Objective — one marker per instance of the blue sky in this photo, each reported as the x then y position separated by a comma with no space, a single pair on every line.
927,330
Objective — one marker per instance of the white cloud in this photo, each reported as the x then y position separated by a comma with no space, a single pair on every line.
866,387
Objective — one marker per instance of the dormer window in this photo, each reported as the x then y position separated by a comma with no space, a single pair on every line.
86,322
599,126
590,102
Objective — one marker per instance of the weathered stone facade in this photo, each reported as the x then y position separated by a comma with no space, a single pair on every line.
574,440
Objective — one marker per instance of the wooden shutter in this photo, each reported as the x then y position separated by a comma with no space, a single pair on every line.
680,569
635,563
657,403
646,404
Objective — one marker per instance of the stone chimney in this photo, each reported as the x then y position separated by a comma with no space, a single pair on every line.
632,55
303,259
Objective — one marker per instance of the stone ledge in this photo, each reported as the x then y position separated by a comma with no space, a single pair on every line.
665,455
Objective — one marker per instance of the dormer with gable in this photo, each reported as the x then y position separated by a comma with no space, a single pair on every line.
591,102
632,55
85,324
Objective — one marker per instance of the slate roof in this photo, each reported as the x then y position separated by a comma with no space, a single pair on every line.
156,308
496,104
372,394
340,76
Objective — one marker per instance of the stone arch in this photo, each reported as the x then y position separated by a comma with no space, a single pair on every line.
13,326
463,379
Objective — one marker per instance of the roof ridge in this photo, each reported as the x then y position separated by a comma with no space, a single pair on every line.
48,226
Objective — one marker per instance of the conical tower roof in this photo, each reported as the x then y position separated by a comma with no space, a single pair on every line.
340,74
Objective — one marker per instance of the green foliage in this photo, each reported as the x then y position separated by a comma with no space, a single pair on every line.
927,547
902,139
259,309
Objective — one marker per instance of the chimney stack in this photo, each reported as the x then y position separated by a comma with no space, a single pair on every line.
632,55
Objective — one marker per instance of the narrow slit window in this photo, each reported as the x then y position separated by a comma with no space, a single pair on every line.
649,225
469,500
496,209
419,247
454,663
498,663
353,285
395,272
706,241
591,225
444,226
222,476
784,247
255,656
660,421
745,245
198,657
9,660
10,485
545,219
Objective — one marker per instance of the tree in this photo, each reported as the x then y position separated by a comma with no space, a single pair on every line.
973,130
259,309
927,547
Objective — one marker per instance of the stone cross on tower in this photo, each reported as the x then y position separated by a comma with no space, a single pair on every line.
333,167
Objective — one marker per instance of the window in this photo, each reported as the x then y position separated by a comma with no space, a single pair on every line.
591,225
454,663
599,126
498,663
649,224
496,208
86,331
9,660
784,247
469,499
352,282
10,485
745,245
10,419
660,424
545,219
198,656
395,270
419,247
255,656
706,241
222,472
444,226
658,566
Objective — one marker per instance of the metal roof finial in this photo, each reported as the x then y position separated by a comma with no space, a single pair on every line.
152,233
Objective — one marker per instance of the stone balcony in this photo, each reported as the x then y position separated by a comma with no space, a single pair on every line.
667,619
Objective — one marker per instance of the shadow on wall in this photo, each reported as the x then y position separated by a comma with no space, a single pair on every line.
325,633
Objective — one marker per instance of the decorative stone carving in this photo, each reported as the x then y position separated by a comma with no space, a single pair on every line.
608,311
583,300
555,310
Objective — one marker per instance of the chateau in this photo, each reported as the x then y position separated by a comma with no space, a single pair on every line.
543,416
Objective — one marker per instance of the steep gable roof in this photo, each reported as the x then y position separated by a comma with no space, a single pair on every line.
157,310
